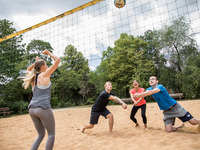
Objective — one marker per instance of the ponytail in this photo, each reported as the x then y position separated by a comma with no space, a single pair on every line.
31,75
28,78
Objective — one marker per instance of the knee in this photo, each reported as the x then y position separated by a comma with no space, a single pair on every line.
132,117
41,135
51,133
90,125
51,136
168,130
193,121
110,116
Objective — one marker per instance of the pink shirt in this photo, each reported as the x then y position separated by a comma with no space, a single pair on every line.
140,90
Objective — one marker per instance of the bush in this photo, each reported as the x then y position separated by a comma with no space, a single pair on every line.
54,101
19,107
61,104
90,101
2,103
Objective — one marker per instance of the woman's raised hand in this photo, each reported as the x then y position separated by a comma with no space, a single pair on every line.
46,52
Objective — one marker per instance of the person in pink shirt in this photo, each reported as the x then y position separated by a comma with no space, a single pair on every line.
138,103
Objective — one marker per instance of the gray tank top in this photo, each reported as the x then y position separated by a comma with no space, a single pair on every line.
41,96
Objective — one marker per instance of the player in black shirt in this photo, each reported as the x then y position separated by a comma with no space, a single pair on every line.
99,108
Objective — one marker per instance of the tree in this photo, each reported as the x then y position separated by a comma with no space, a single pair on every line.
153,49
177,43
170,48
13,96
11,54
126,62
191,77
66,87
35,48
73,77
11,51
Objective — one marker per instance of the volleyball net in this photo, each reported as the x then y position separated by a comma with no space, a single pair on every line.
94,26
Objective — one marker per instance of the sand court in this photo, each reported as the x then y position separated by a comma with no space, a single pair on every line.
18,132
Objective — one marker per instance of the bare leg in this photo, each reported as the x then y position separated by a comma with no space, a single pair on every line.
194,121
170,128
89,126
198,121
110,122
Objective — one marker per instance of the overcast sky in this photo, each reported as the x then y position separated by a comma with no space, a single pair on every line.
26,13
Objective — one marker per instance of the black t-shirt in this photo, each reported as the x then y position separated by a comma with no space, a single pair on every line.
102,101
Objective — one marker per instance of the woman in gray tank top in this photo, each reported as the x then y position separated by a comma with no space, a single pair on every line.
38,75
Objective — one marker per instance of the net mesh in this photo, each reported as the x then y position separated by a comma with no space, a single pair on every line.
92,29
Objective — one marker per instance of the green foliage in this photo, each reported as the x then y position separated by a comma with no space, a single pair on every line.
170,48
177,43
74,60
191,78
96,79
12,91
124,63
11,51
66,84
72,86
153,51
35,48
90,101
19,107
54,101
2,102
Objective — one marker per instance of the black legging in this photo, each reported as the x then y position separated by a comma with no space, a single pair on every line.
143,111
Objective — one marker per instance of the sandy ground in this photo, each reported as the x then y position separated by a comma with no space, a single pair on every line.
18,133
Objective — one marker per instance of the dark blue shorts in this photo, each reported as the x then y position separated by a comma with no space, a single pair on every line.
187,117
95,115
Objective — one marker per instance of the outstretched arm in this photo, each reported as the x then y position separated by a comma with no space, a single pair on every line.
118,100
147,93
134,101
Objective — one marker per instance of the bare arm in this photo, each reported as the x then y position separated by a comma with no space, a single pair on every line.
53,67
118,100
147,93
141,97
33,65
134,101
138,101
30,68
